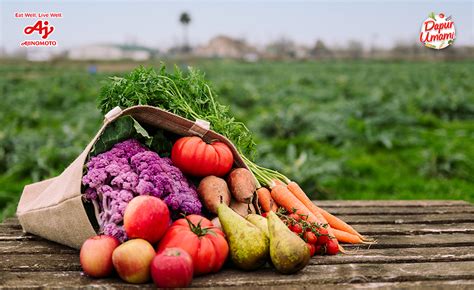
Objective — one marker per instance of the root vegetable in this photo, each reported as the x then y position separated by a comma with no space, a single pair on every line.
265,200
213,190
242,184
242,208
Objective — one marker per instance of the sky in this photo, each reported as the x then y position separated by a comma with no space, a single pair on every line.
155,23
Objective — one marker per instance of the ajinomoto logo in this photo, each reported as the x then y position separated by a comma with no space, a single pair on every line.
40,28
438,31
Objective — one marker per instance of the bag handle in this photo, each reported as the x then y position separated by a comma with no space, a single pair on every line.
112,114
200,127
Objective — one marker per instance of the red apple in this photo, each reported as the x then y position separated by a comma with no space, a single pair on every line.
96,255
132,260
146,217
172,268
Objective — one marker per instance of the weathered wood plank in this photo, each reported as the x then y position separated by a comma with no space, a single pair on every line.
15,236
413,285
391,203
383,241
314,274
403,255
16,243
34,247
412,219
40,262
417,241
376,204
10,221
69,261
399,210
450,218
414,229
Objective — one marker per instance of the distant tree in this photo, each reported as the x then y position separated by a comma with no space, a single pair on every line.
355,49
282,48
185,19
320,50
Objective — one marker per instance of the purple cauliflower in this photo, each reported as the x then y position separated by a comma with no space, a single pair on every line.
127,170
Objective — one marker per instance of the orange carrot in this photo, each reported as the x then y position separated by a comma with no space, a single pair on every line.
332,220
346,237
286,199
339,224
296,190
283,196
265,200
278,182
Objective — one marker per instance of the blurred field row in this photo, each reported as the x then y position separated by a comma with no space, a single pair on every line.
343,129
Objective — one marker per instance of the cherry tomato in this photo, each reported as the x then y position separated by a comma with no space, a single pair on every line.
294,216
311,248
310,237
296,228
264,214
332,247
318,249
323,237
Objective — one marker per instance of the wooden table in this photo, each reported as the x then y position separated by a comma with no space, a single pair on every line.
421,244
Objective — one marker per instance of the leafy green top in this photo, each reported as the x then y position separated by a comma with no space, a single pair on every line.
186,94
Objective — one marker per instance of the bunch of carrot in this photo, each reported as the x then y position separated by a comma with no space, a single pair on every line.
291,197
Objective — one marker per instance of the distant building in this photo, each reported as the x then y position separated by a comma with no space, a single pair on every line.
227,47
284,48
110,52
39,54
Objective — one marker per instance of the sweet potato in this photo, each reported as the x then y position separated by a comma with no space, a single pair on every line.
213,190
242,184
242,208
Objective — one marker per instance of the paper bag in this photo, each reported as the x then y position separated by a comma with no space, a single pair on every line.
54,208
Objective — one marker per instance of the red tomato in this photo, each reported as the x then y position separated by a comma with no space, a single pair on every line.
332,247
318,249
311,248
294,216
195,157
204,243
323,237
310,237
296,228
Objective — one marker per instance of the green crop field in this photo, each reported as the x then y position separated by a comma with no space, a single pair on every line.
343,129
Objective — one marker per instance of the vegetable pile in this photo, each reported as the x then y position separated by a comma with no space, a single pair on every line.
258,215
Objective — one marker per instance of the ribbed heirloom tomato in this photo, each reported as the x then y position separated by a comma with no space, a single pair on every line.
195,157
204,243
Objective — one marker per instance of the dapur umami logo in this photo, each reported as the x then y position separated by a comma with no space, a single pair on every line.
40,28
438,31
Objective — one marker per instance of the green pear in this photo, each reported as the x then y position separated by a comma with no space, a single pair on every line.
288,252
259,221
248,245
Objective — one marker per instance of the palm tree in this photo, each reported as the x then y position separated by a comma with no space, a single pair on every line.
185,19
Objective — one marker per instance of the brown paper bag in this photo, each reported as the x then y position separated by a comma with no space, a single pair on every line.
54,209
